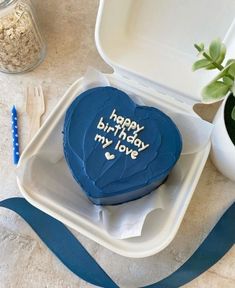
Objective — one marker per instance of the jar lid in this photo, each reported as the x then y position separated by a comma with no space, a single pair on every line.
5,3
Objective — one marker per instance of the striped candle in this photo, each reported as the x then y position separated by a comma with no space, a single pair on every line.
15,137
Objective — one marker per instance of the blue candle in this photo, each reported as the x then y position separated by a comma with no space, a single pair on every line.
15,136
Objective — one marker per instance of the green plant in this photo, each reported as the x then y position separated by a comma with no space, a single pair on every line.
213,58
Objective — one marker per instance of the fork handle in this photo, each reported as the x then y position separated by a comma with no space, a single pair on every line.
34,126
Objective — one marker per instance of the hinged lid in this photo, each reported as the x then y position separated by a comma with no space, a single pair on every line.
152,40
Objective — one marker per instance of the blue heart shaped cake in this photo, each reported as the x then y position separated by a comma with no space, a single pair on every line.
117,150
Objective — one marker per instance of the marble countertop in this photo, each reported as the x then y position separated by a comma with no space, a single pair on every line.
25,261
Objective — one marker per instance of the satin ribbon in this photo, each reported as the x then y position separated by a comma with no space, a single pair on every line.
76,258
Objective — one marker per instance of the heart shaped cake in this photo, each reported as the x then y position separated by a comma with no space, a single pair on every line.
117,150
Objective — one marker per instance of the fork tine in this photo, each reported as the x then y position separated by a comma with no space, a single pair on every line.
26,98
42,99
36,94
27,102
35,108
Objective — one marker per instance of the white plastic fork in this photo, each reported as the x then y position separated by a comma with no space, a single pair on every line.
35,108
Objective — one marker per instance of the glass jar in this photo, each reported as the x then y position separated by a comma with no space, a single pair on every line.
22,47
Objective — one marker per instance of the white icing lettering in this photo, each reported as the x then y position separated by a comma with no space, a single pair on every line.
101,124
118,127
132,126
134,154
114,115
103,140
138,129
126,131
106,127
100,138
143,147
120,120
118,143
126,123
128,151
107,143
137,142
123,134
110,129
131,139
122,148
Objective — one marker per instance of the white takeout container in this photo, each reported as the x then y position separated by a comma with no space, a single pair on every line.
149,44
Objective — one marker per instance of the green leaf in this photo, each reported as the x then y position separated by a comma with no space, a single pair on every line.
233,113
222,73
199,47
220,59
222,55
233,88
215,49
215,91
202,63
230,61
228,81
231,69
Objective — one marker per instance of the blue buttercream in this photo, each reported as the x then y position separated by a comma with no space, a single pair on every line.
117,150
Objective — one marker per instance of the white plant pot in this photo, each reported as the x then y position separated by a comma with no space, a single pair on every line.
223,149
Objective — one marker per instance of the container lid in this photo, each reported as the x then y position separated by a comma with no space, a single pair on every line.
152,41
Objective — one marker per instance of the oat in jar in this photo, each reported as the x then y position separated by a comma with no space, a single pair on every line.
21,45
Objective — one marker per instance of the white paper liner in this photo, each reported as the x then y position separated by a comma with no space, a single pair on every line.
47,174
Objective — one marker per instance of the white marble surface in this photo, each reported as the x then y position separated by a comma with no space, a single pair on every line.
24,260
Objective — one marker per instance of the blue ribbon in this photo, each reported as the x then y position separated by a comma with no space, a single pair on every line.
76,258
61,242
